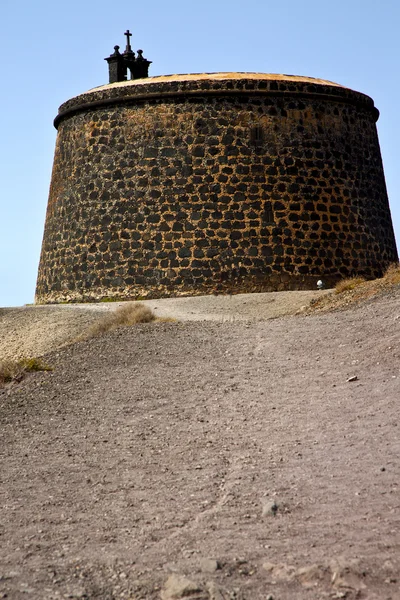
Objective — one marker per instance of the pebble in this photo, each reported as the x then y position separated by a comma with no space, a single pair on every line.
269,508
209,565
179,586
215,592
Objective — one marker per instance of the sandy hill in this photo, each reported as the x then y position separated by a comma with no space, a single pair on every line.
222,459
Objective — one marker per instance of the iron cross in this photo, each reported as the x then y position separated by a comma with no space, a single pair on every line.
128,43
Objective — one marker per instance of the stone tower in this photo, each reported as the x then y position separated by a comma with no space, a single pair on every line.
187,184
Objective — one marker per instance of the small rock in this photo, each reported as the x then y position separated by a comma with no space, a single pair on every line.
347,574
352,378
209,565
178,586
280,572
310,575
216,592
269,508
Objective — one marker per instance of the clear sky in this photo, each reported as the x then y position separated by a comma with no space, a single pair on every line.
51,51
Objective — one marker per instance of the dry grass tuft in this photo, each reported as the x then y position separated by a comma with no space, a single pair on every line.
392,274
166,320
14,370
350,292
10,370
126,315
132,313
348,284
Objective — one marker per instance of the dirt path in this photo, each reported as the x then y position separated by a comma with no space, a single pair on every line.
147,464
35,330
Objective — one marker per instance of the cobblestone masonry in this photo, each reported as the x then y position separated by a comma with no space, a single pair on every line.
232,182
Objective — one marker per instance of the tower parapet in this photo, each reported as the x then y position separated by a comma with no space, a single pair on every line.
119,64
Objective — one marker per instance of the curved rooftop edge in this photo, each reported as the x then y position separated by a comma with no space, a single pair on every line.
212,84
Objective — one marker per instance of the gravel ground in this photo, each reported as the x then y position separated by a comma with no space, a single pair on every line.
208,460
35,330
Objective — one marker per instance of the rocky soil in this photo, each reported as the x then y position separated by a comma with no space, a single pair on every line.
208,460
29,331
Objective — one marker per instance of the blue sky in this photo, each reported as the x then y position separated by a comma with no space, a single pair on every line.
52,51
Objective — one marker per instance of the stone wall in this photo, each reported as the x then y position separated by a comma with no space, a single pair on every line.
203,185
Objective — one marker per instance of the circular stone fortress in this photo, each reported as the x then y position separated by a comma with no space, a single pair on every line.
230,182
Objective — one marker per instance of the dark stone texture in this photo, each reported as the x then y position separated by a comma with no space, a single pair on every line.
156,194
